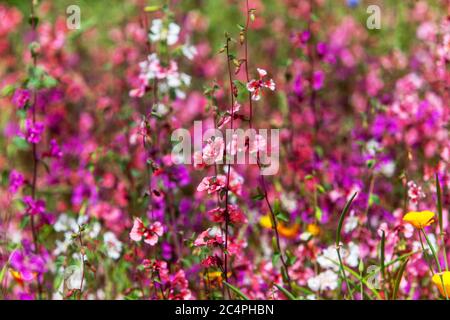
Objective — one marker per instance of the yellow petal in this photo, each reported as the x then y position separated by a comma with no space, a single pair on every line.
444,277
419,219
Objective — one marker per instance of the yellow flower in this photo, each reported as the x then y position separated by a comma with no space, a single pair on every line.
266,222
313,229
419,219
283,230
438,282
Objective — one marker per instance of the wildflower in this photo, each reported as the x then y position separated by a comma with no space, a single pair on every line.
114,246
327,280
254,86
318,80
209,237
228,115
313,229
442,280
150,234
21,97
236,182
16,181
213,151
419,219
160,32
211,261
235,214
415,192
34,207
33,131
212,184
26,265
283,230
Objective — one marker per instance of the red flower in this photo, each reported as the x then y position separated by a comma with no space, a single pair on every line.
254,86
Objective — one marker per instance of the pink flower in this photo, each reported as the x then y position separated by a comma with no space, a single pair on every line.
211,261
213,151
227,116
212,184
415,192
236,181
209,237
254,86
234,212
258,144
21,97
150,234
318,79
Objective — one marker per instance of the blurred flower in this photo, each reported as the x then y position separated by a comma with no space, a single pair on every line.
442,280
159,32
16,181
33,131
113,245
34,207
327,280
21,97
419,219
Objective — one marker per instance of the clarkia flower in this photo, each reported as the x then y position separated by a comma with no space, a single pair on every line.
255,86
34,207
33,131
21,97
419,219
212,184
16,181
150,234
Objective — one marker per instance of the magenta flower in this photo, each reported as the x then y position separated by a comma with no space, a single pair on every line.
33,131
318,79
254,86
26,265
16,181
34,207
21,97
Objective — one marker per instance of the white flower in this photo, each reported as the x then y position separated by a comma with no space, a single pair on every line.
289,201
350,223
73,276
330,260
114,246
159,32
327,280
95,230
189,51
388,168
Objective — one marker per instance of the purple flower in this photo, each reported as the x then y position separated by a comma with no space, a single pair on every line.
318,79
298,87
33,131
322,49
21,97
34,207
305,36
16,181
26,264
55,150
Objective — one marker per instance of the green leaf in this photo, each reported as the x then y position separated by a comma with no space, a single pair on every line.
398,279
341,219
3,272
382,250
439,202
318,213
236,290
288,295
283,216
276,257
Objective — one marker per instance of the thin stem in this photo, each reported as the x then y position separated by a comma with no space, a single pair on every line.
344,275
263,181
34,230
227,217
437,262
